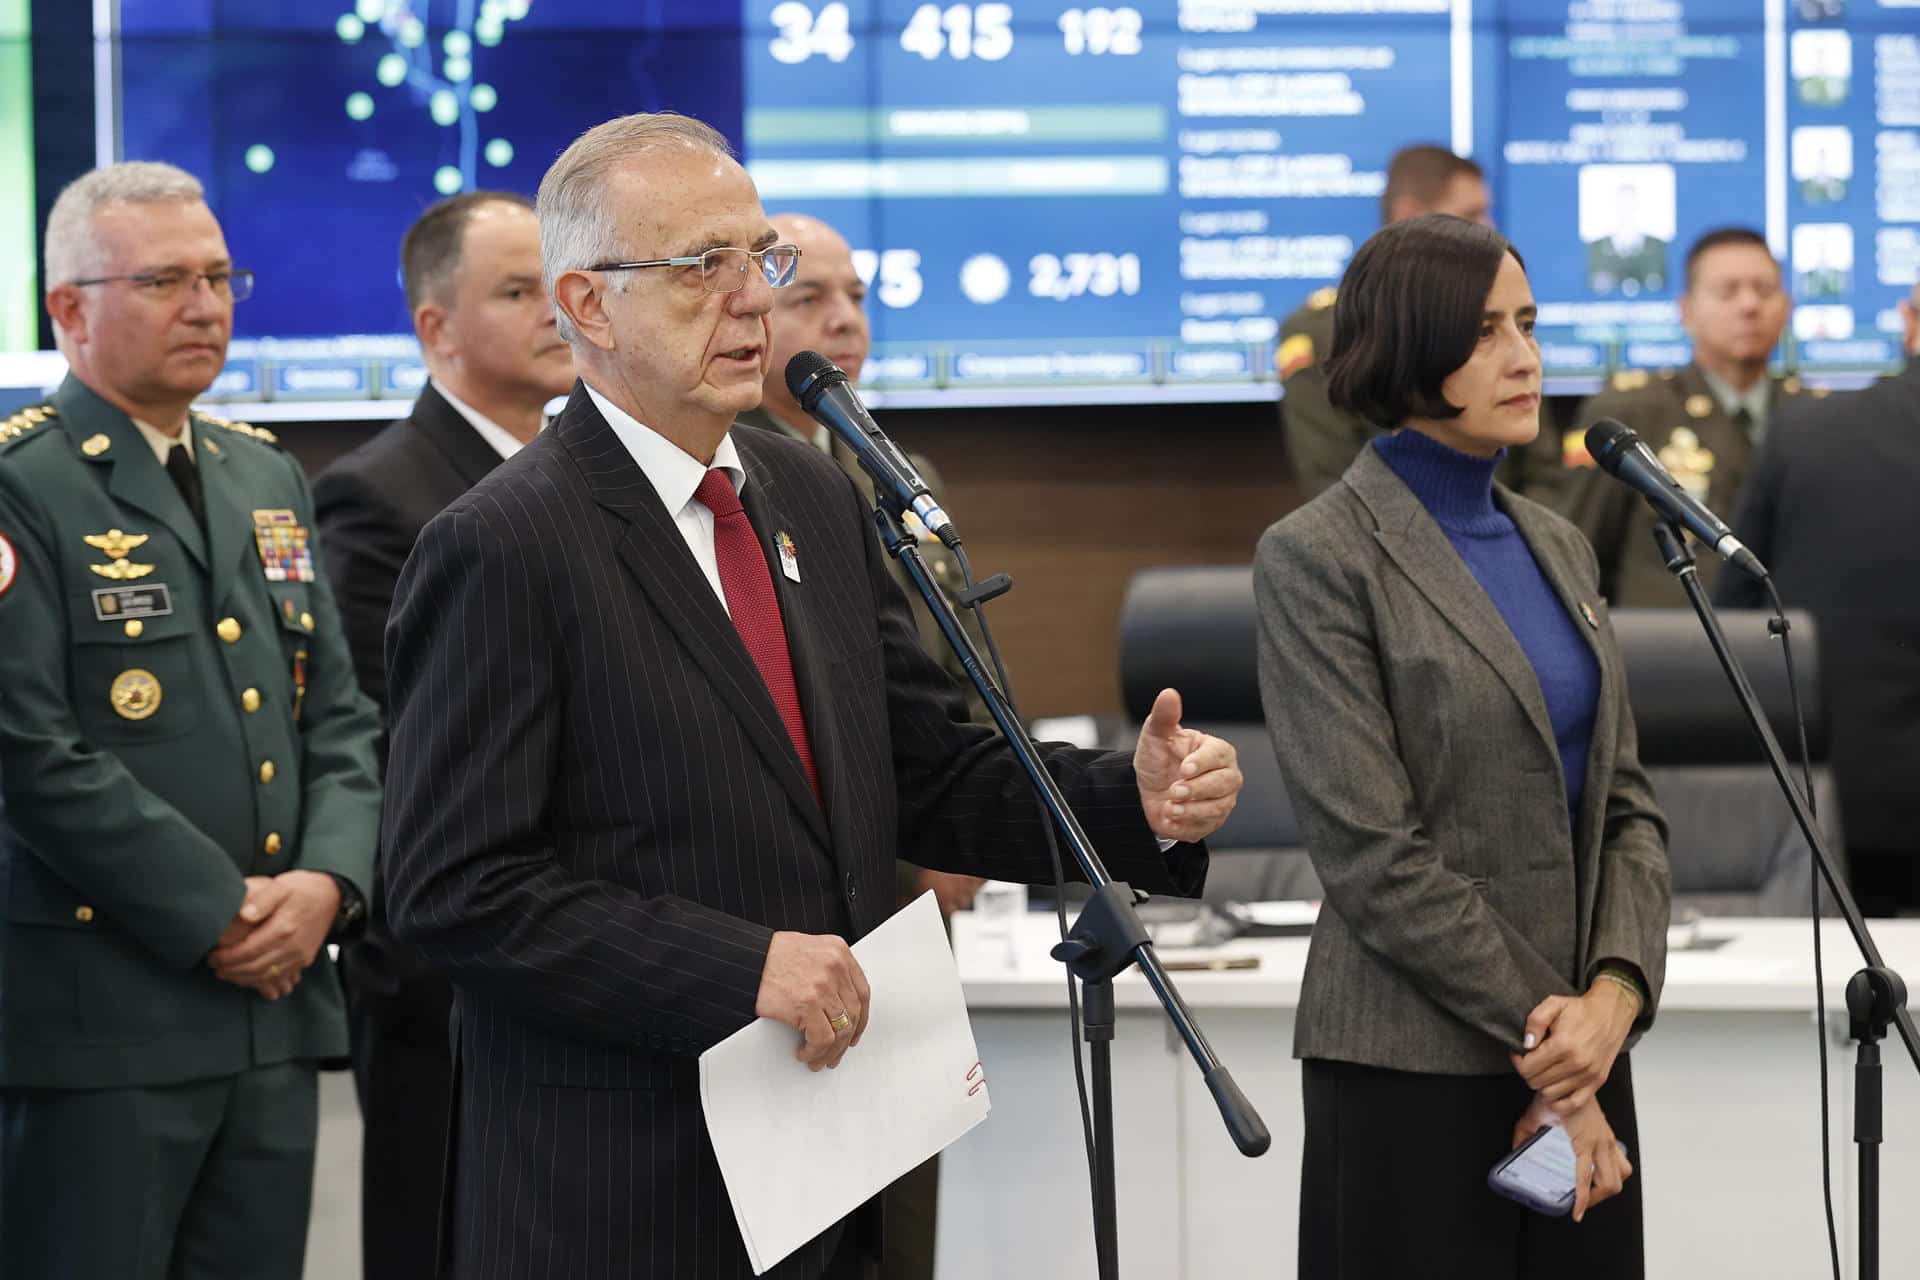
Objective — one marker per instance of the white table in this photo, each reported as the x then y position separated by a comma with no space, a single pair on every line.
1726,1086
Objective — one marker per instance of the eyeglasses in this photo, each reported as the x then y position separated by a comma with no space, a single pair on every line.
167,286
725,270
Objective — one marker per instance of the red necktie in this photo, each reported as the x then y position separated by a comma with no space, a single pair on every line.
748,586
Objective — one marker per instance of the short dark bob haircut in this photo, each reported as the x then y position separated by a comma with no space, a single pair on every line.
1408,314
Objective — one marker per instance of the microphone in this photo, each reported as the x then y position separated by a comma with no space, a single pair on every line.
821,389
1620,452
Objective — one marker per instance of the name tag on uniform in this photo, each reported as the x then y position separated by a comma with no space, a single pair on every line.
114,604
282,540
789,561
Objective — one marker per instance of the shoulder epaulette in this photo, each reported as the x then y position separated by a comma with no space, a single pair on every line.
1321,299
241,428
25,422
1630,380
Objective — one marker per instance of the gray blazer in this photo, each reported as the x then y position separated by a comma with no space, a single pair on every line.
1416,747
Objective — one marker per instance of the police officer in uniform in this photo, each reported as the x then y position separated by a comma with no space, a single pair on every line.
1321,440
190,804
824,310
1703,421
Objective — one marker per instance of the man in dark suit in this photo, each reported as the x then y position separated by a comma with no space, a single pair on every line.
660,724
191,802
1830,509
471,268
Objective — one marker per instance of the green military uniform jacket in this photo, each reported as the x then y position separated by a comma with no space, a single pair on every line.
171,721
1679,418
1322,441
1642,271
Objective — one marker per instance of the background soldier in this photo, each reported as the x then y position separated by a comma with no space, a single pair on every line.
1703,420
1322,441
190,798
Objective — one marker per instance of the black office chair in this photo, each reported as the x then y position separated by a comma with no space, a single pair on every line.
1732,842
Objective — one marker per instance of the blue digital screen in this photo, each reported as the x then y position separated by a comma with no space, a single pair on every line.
1044,192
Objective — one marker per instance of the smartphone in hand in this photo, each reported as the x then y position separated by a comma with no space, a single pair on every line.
1539,1173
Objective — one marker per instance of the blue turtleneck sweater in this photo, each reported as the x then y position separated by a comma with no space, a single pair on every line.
1457,490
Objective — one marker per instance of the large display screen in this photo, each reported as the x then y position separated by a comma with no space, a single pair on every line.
19,303
1048,194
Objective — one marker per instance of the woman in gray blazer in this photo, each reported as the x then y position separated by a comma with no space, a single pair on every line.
1450,712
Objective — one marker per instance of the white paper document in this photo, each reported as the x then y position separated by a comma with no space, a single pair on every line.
802,1149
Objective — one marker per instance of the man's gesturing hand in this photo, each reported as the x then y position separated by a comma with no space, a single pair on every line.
1189,781
812,983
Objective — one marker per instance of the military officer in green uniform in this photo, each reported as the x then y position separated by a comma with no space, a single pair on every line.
1321,441
824,310
1703,421
190,799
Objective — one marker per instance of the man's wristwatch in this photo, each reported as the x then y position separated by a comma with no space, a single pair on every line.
353,909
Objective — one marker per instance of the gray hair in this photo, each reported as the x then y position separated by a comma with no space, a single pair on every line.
577,227
72,251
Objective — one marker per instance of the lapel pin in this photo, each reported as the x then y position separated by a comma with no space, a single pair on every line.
789,562
1593,619
95,445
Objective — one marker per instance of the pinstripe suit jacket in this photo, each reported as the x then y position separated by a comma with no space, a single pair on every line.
596,821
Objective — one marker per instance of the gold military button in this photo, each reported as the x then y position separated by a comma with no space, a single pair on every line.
228,629
266,771
306,621
83,914
250,699
134,628
272,846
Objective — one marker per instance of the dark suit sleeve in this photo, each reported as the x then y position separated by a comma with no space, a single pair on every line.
475,754
366,544
128,852
1754,522
339,776
966,805
1338,746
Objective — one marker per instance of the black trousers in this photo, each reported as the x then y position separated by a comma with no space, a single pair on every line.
403,1072
1394,1182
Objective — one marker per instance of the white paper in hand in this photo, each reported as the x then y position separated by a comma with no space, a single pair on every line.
802,1149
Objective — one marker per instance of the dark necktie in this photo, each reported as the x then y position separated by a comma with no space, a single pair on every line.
747,584
1743,419
186,478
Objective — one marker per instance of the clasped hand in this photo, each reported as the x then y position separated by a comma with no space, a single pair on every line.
1571,1042
277,932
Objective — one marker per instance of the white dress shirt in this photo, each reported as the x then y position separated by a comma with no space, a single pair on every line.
162,444
675,474
503,441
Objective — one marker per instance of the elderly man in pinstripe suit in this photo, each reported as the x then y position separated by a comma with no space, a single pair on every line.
659,723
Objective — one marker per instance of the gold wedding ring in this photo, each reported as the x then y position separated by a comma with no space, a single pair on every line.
839,1022
273,969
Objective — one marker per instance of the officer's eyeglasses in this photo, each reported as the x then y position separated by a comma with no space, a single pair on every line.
727,269
169,286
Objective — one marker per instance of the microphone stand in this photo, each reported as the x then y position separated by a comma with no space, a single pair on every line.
1107,937
1876,995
